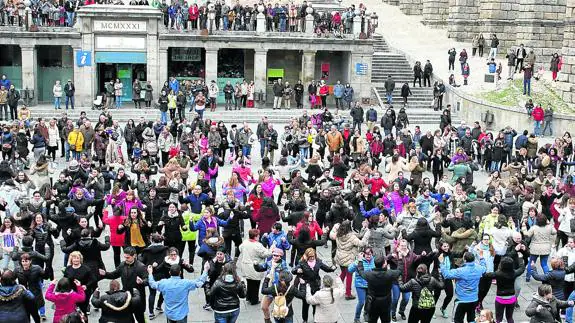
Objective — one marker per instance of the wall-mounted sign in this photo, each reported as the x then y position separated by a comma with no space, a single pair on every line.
83,58
325,71
360,69
120,43
120,26
180,54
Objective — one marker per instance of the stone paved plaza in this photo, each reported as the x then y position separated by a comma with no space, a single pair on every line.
253,313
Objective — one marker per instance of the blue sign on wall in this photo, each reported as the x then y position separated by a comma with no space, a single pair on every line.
83,58
360,69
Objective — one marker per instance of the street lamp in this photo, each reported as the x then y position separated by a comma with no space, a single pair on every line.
211,15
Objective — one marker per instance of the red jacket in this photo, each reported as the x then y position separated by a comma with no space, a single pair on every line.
193,13
538,114
116,239
376,185
314,229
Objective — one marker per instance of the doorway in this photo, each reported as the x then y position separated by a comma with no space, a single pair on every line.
127,73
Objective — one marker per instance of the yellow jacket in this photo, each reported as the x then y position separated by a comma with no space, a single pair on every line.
76,138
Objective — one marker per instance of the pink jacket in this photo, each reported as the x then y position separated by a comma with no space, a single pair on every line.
65,303
269,186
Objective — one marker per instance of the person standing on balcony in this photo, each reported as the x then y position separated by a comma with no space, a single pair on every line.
389,87
70,90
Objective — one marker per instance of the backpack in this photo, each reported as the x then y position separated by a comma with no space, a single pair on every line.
280,305
426,299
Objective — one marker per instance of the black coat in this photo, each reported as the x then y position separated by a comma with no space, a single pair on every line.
91,249
311,275
117,306
83,274
128,273
225,296
422,236
32,279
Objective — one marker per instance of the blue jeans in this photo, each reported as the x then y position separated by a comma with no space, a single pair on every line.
5,260
230,317
56,103
201,113
70,18
67,150
118,101
76,155
246,150
495,165
389,97
164,117
533,258
70,99
537,129
527,87
361,294
548,125
303,154
288,319
405,296
569,310
263,145
226,22
184,320
213,184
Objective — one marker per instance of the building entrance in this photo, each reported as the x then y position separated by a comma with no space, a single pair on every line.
125,72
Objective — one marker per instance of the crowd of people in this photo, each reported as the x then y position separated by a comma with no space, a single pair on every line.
407,215
184,16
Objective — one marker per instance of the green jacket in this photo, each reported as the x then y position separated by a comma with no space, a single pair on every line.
189,235
459,170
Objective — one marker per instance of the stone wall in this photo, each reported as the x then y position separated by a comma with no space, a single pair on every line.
540,27
566,84
411,7
472,109
463,19
435,13
498,17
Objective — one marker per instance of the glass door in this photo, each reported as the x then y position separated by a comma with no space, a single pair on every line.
125,76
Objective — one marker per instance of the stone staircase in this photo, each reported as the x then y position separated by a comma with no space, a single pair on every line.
384,63
127,112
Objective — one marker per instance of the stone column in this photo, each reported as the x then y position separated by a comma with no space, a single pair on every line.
163,72
211,64
309,24
29,70
566,84
540,27
498,17
462,20
261,23
307,71
356,26
153,56
410,7
360,83
260,73
83,76
435,13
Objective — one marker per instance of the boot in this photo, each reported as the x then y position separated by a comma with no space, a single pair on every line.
465,82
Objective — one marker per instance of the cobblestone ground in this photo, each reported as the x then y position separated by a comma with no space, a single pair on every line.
253,313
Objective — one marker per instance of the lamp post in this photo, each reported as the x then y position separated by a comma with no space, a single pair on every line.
211,16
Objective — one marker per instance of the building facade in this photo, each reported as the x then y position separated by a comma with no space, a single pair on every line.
129,43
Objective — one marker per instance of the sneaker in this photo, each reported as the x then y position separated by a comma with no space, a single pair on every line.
444,313
349,297
356,321
393,318
402,316
160,310
517,305
43,317
207,307
151,316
